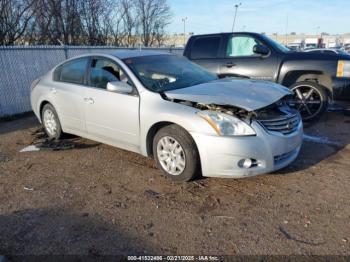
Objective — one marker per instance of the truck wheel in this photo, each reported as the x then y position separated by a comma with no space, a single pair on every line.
176,153
310,99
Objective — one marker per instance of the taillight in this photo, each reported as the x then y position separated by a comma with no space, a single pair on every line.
34,83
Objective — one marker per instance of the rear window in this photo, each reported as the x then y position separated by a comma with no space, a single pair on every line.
72,71
205,47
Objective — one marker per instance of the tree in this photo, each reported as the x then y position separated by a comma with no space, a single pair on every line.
87,22
14,19
153,16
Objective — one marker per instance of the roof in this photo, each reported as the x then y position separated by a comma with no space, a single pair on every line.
228,33
123,54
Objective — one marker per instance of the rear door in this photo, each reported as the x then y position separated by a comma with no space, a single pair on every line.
111,117
205,50
240,60
67,91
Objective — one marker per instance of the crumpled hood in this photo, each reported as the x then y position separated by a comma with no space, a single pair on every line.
246,94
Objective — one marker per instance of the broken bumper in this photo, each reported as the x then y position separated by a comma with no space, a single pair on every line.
223,156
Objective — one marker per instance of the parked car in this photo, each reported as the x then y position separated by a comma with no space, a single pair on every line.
315,78
166,107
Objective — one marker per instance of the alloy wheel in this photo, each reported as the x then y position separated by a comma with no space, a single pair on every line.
307,100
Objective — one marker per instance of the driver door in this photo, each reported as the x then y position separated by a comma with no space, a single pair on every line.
111,117
240,59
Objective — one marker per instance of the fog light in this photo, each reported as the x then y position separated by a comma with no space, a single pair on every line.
247,163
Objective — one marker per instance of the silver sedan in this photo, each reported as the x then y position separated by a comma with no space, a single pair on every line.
165,107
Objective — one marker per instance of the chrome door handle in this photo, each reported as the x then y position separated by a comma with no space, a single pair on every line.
89,100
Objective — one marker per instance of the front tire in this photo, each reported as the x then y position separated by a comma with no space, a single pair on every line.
50,122
176,153
310,99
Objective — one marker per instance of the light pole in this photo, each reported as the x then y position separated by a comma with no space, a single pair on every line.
184,21
234,19
287,30
317,30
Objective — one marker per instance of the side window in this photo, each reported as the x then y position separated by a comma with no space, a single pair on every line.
104,71
72,71
241,46
205,47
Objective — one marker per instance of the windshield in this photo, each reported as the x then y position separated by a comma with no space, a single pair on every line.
276,44
160,73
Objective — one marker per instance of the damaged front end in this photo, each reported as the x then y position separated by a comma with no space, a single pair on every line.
276,117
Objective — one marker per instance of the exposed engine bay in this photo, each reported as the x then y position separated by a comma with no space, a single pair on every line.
274,111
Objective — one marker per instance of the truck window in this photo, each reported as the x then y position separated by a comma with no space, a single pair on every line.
205,47
241,46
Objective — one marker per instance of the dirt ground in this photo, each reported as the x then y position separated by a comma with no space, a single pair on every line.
96,199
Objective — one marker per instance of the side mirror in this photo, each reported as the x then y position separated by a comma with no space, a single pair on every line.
119,87
261,50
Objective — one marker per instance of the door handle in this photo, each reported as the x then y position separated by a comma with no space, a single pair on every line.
53,90
230,64
89,100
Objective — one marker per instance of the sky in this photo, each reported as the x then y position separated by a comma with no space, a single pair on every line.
269,16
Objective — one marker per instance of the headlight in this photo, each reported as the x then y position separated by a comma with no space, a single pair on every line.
343,69
226,125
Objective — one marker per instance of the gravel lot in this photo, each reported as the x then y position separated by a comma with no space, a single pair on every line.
95,199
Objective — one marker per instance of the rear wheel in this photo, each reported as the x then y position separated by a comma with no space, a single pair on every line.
310,99
176,153
50,122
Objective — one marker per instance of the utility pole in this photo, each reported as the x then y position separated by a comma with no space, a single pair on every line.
184,21
234,19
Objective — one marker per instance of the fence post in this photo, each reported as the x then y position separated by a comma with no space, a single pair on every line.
65,48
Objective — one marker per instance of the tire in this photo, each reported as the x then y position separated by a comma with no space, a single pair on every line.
310,99
51,122
174,147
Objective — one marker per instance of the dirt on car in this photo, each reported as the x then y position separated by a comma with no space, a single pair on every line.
86,198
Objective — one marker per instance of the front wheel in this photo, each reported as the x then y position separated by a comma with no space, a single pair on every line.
310,99
176,153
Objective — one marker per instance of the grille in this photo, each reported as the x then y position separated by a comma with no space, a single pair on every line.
285,125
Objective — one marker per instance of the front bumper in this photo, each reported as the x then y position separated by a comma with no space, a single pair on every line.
220,156
341,89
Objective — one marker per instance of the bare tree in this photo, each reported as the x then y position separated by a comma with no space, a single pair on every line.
38,28
153,16
14,19
93,13
87,22
130,22
115,23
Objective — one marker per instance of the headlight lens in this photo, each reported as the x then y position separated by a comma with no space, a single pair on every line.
226,125
343,69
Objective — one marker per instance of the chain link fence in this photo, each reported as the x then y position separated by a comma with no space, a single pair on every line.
20,65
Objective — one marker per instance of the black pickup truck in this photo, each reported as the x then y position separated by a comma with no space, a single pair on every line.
316,79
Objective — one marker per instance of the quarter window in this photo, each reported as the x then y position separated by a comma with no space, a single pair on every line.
205,47
72,71
241,46
104,71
